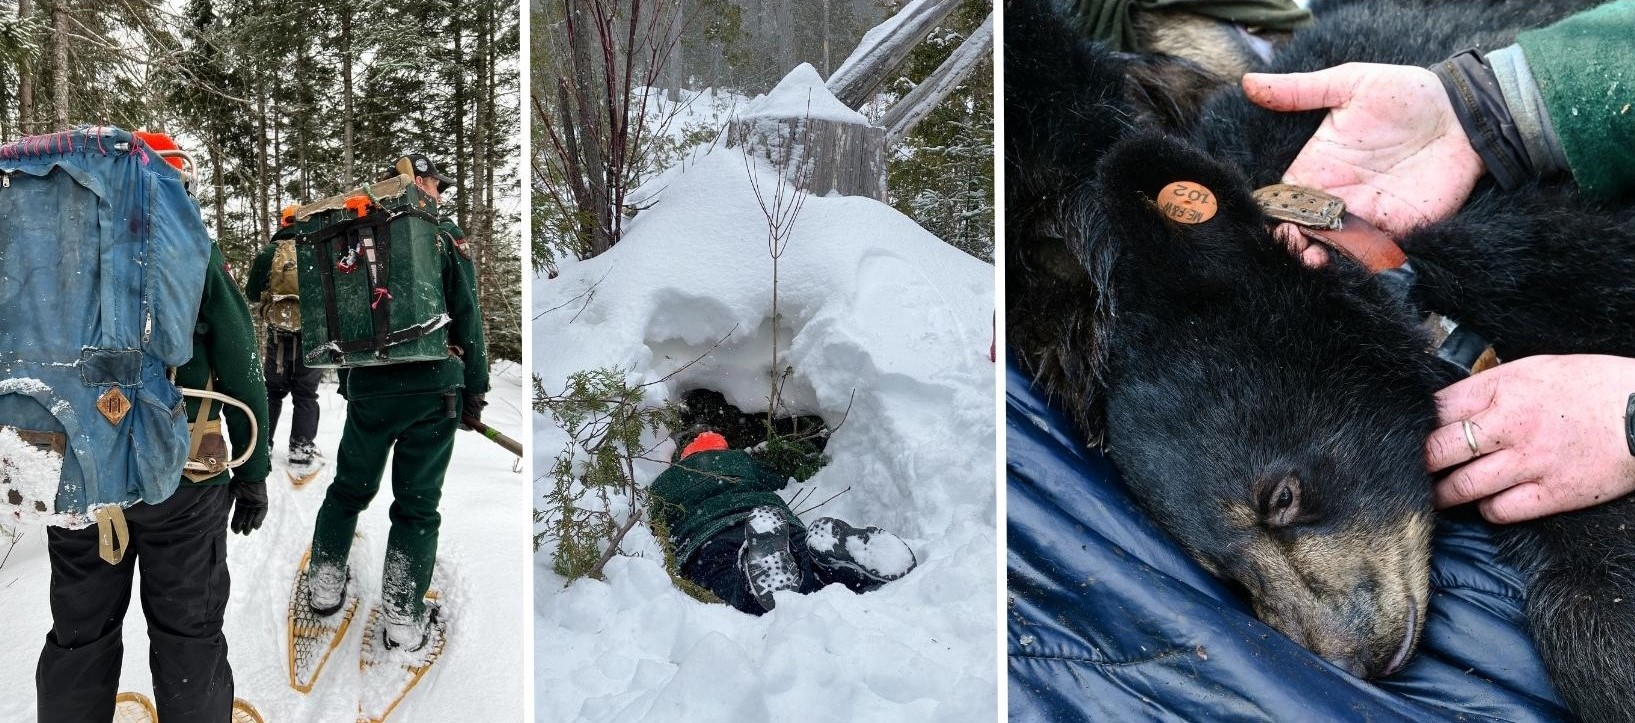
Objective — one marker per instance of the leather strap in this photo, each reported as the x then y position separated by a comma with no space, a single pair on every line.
1322,217
113,536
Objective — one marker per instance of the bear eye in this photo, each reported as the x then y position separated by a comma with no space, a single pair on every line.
1280,506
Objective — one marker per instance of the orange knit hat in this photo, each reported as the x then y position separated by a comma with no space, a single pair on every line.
704,442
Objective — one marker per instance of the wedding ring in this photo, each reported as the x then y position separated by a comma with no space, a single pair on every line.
1470,438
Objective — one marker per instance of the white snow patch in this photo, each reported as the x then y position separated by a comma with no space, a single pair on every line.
876,315
802,94
29,472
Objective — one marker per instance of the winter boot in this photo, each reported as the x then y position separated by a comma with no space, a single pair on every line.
861,559
303,453
326,588
403,631
766,560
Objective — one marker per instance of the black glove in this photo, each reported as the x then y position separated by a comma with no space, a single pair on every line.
249,506
471,408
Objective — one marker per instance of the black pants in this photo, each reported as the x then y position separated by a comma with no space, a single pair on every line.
287,374
181,544
715,567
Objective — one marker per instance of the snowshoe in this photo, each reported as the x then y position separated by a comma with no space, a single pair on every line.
390,670
132,707
312,634
861,559
243,712
304,463
766,560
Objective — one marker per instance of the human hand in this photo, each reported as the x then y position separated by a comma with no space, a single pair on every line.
249,506
471,407
1550,432
1391,147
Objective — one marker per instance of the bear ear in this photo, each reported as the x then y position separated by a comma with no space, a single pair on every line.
1157,183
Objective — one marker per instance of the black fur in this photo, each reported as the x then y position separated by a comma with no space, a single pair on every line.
1204,358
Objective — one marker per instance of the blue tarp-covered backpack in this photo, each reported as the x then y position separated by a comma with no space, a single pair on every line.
102,266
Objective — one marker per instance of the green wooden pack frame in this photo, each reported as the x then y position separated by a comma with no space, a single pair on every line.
370,267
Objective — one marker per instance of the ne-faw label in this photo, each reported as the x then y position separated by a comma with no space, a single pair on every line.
1187,202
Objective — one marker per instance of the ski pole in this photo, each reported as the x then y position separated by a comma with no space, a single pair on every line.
493,435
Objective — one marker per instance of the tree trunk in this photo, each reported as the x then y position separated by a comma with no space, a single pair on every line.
25,80
346,93
582,38
463,207
59,75
919,102
879,56
260,163
827,69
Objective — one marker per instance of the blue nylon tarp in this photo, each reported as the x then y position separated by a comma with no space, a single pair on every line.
1109,621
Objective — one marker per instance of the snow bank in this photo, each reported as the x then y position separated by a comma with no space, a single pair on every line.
481,558
875,313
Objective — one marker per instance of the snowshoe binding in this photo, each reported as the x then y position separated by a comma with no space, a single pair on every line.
861,559
313,632
392,667
304,463
766,560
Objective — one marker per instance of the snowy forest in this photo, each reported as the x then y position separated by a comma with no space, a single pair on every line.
682,67
285,103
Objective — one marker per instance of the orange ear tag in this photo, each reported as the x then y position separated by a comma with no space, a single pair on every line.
1187,202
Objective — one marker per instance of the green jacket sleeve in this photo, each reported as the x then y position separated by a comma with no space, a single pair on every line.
460,292
1585,69
236,367
259,270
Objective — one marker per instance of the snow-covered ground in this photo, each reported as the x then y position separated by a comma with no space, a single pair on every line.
875,313
481,571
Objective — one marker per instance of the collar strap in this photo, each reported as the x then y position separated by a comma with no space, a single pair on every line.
1322,217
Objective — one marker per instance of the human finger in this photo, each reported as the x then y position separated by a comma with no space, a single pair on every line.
1525,501
1328,88
1469,396
1463,440
1482,477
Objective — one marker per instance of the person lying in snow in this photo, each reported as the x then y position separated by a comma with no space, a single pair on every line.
734,536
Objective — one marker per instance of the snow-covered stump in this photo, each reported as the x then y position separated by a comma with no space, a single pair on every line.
817,143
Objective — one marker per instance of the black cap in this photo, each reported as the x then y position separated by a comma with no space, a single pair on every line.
422,166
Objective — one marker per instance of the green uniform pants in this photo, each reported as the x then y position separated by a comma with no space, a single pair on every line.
419,426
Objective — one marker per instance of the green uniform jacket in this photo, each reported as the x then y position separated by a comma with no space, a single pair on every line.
465,331
261,268
224,350
1585,69
698,497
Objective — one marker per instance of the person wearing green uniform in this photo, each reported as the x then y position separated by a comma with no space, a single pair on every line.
274,287
733,535
180,543
1405,146
410,411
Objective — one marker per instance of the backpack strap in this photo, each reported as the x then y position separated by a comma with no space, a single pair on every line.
113,536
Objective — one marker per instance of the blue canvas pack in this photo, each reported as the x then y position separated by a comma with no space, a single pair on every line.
102,265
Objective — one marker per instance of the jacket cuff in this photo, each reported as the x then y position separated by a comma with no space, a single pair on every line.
1480,106
1521,96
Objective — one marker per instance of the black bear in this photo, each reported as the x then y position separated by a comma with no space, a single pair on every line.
1212,366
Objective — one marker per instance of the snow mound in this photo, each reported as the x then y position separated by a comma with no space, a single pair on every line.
886,330
802,94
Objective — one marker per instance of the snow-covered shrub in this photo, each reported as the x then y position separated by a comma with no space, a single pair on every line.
592,480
